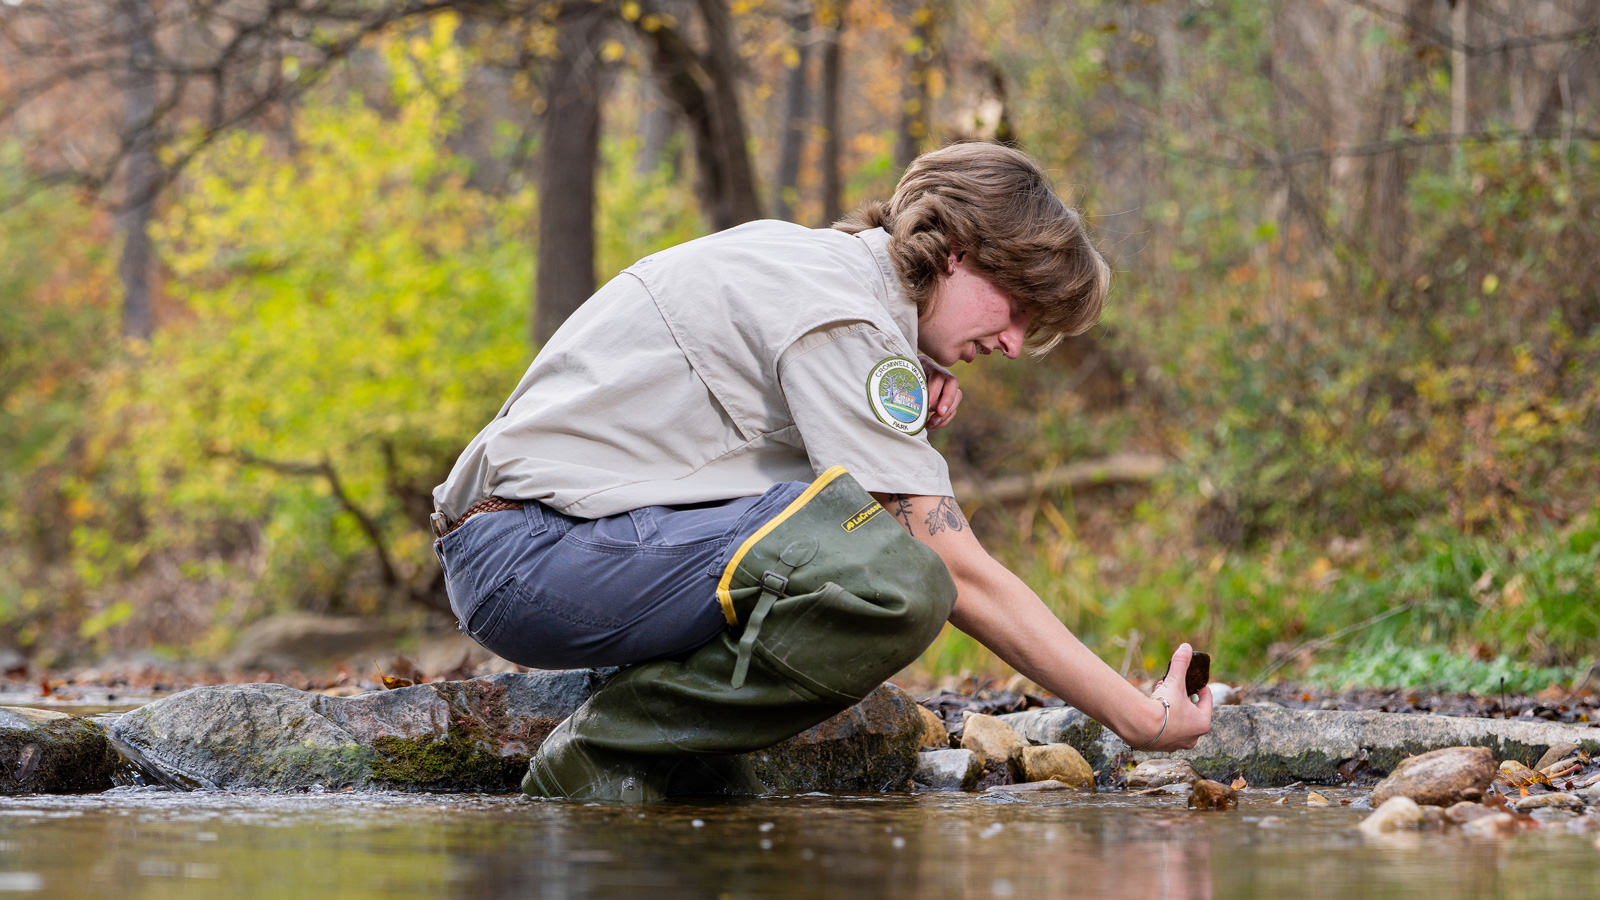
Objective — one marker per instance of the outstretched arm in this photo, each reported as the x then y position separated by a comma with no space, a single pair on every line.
1005,615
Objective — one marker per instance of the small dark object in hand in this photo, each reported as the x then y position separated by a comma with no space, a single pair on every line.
1199,673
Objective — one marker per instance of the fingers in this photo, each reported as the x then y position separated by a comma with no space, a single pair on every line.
944,399
1178,675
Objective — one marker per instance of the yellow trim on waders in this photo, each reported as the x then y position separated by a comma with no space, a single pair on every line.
725,598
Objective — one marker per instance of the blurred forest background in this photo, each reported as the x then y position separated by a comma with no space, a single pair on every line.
267,265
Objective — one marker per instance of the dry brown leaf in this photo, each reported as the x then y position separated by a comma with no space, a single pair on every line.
1517,775
389,683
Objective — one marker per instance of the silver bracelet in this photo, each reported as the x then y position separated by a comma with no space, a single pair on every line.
1166,710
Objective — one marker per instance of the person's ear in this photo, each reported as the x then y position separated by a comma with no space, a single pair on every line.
957,253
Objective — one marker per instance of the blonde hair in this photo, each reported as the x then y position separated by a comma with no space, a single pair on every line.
997,204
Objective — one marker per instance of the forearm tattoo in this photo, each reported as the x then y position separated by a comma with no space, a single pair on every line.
946,515
900,508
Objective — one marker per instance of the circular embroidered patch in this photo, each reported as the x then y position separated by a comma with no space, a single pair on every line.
898,394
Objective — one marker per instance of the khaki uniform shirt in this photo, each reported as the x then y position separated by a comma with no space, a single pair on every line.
714,370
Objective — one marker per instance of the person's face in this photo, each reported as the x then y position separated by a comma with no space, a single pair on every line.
969,316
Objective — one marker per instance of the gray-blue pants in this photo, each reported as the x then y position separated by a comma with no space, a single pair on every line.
549,591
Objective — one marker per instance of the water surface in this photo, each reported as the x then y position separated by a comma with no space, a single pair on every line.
138,843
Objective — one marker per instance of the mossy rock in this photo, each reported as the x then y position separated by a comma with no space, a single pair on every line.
44,752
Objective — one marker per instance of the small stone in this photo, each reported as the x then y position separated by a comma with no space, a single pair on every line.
1495,825
1329,703
1553,814
934,735
1591,795
948,770
1465,811
1439,778
1394,814
992,740
1061,762
1208,794
1224,695
1316,799
1547,801
1556,753
1160,772
1433,818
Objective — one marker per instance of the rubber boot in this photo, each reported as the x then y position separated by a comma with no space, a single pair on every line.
824,602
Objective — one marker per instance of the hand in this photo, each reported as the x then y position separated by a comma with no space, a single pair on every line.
944,393
1187,722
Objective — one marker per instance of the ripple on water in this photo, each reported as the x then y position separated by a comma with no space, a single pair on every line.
144,843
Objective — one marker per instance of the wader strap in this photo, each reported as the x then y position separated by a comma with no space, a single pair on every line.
772,587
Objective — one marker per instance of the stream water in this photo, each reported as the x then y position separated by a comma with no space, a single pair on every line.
137,843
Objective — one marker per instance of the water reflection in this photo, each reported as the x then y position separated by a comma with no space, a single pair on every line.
140,844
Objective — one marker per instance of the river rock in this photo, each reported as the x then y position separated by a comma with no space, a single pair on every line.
869,747
449,736
1555,754
1060,762
1439,777
1547,801
948,770
934,735
47,752
1208,794
1591,795
1273,746
995,743
1394,814
1495,825
1154,773
1465,811
304,640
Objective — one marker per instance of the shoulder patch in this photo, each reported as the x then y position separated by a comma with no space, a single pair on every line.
897,391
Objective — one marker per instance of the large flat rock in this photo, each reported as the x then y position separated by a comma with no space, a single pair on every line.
46,752
1276,746
451,736
460,736
869,747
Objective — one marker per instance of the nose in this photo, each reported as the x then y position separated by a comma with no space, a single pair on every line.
1011,339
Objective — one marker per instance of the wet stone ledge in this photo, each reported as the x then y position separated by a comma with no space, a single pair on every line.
459,736
1273,746
45,752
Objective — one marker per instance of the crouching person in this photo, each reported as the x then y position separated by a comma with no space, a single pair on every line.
717,474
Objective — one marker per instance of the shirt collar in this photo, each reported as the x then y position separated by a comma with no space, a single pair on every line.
900,307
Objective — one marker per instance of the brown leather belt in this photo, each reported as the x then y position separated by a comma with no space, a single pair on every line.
442,527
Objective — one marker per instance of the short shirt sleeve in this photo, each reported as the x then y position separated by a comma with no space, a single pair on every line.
858,401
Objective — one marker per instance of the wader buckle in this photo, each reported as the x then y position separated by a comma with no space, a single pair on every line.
773,586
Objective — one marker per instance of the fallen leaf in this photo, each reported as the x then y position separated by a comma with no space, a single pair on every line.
1517,775
389,683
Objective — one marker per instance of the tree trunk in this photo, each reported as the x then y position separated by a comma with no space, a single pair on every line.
832,189
1459,33
914,93
706,91
143,172
786,196
571,148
